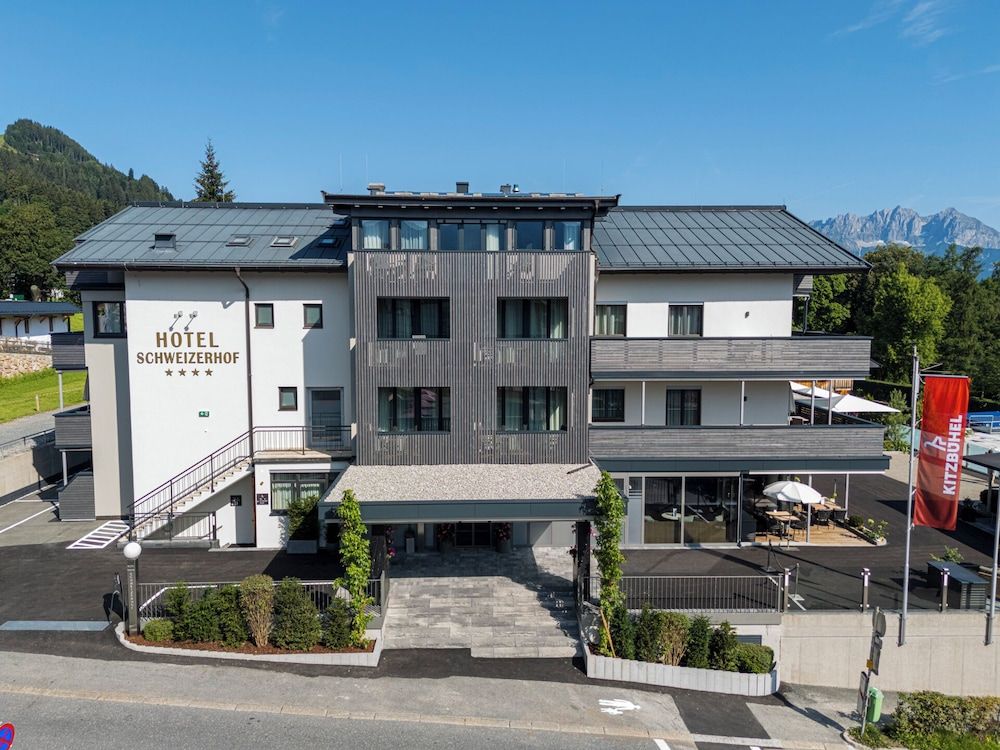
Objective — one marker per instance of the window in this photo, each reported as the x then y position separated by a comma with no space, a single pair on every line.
239,240
403,318
263,315
609,320
414,410
662,510
374,234
52,324
683,407
530,235
27,326
312,315
519,318
710,509
608,405
288,487
288,398
471,236
284,240
685,320
531,409
413,235
109,319
567,235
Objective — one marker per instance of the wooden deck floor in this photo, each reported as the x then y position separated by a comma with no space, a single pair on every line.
825,536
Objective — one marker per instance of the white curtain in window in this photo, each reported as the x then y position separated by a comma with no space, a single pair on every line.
385,399
557,409
282,493
494,238
413,235
512,405
406,409
375,234
537,411
570,235
559,324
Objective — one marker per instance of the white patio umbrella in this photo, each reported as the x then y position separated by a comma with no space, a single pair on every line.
796,492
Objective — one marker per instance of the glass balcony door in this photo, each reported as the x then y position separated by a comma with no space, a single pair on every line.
325,419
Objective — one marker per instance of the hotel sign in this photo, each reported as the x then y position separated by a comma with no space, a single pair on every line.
182,348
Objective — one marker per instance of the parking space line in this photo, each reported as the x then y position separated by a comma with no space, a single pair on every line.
25,520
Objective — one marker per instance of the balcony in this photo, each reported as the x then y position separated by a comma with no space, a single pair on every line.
73,429
804,357
67,351
846,447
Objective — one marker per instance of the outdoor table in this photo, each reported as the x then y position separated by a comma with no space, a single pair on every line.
966,589
784,518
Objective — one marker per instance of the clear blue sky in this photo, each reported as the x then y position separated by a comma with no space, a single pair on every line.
828,107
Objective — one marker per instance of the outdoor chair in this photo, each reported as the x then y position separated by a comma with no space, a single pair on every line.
821,518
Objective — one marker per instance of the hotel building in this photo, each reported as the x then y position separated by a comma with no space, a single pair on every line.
454,358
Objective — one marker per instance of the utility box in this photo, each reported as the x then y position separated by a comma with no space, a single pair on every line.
874,705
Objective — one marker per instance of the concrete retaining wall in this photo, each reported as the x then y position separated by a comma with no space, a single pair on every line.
30,469
944,652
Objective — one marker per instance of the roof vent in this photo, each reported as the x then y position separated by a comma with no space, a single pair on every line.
462,188
164,241
284,240
505,189
239,240
374,188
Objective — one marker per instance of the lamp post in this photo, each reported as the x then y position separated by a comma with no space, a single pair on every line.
132,550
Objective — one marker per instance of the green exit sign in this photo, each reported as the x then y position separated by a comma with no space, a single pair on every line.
203,414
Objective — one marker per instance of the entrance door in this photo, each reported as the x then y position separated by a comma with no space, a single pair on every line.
472,534
325,419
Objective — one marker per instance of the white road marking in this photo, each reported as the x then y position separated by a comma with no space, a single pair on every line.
101,537
661,745
617,707
25,520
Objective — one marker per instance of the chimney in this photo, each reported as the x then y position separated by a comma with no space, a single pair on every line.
462,188
374,188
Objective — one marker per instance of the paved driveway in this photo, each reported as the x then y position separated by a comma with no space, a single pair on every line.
518,604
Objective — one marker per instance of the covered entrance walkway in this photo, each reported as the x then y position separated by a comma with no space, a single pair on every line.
516,604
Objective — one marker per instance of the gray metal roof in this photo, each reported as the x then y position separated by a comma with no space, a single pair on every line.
457,482
202,232
19,308
715,238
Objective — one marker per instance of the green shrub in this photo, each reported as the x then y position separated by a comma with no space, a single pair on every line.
232,629
723,647
922,714
648,643
176,603
752,658
201,623
303,519
699,636
674,628
622,632
337,624
951,554
296,620
855,521
159,631
256,603
873,736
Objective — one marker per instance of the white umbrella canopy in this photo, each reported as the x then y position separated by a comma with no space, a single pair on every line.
793,492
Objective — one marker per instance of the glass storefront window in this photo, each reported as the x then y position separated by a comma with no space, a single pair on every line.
662,509
710,509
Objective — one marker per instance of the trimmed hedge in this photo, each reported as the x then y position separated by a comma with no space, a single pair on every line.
698,643
296,620
158,631
925,713
753,658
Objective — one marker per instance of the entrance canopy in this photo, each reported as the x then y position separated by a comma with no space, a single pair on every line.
469,492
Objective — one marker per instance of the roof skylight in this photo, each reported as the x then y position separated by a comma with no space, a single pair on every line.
284,240
239,240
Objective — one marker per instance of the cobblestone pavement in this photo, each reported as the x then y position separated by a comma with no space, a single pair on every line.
517,604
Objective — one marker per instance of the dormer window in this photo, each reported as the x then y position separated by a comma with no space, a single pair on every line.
284,240
164,241
240,240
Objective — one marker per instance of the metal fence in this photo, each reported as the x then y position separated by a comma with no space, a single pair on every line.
152,596
758,593
27,441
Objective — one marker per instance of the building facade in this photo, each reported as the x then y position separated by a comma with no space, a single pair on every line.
464,362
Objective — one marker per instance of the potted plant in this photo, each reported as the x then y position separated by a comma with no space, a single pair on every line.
410,537
444,533
503,537
303,526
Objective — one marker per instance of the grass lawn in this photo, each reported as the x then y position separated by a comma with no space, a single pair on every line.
76,322
17,394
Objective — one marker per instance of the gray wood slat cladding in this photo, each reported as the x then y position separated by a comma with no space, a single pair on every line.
473,363
76,499
748,442
802,357
68,352
73,429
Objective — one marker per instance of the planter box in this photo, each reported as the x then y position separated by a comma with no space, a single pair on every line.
366,659
302,547
688,678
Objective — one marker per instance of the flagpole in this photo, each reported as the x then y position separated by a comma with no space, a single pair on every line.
991,613
914,394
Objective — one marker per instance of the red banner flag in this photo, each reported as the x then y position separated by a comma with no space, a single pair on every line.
942,437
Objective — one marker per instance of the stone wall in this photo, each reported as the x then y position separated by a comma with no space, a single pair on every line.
19,364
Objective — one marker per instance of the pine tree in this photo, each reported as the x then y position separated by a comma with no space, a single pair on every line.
210,182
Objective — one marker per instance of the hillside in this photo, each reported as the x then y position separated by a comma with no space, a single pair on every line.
933,234
51,189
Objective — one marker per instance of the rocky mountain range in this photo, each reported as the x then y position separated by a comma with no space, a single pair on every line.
933,234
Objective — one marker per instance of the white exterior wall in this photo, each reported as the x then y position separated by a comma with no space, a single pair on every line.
271,528
110,425
38,327
767,402
167,433
734,304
